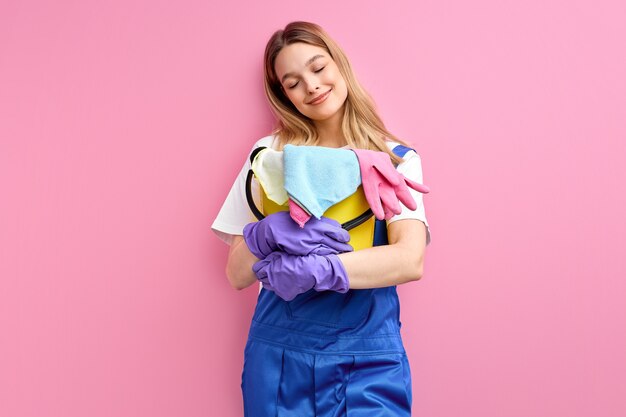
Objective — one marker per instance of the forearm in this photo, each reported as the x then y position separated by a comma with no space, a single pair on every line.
382,266
239,265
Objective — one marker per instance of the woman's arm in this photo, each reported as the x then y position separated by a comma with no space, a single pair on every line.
381,266
239,264
397,263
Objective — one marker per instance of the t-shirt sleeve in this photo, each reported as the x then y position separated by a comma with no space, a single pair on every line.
411,168
235,212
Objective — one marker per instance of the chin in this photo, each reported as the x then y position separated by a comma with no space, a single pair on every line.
326,115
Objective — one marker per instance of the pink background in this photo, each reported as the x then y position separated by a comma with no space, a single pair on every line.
124,123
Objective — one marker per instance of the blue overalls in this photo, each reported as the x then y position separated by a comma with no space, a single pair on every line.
328,354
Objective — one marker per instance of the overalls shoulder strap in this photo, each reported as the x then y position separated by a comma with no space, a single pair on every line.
401,150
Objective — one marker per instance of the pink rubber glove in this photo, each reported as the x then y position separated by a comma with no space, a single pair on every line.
383,185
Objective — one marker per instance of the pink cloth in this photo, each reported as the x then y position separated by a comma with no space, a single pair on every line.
298,214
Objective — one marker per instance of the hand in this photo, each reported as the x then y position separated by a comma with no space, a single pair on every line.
278,232
383,185
289,275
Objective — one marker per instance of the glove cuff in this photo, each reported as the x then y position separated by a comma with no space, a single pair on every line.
252,240
334,277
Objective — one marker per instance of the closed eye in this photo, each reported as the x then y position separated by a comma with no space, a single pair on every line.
294,86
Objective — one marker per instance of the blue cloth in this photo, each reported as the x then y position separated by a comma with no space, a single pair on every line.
317,177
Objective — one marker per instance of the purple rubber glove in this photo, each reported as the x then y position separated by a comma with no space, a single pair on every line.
278,232
383,185
289,275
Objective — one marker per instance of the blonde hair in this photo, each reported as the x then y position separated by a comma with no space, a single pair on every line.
361,125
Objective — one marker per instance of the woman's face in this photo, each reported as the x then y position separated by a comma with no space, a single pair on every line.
307,73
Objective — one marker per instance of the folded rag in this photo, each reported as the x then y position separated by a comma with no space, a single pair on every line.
318,177
268,169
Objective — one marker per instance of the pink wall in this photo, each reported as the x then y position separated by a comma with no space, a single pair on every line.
124,123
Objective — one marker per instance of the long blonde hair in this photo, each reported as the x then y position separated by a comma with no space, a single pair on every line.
361,125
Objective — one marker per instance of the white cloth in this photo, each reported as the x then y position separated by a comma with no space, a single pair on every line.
235,213
269,170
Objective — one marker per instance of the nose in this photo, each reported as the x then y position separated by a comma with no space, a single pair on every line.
312,85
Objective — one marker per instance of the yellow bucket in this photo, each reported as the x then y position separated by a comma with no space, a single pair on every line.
345,211
353,213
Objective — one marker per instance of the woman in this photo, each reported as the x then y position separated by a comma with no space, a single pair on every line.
345,358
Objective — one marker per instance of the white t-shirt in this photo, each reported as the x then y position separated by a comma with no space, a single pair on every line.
235,212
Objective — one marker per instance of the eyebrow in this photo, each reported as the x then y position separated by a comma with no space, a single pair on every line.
306,64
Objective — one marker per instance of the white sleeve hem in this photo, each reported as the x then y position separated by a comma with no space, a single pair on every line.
396,218
226,232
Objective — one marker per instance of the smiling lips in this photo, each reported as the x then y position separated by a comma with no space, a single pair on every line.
320,98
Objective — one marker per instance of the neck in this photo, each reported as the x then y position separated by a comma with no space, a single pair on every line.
330,133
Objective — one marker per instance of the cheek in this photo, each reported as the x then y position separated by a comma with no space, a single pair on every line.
292,96
339,83
335,75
